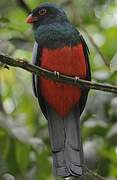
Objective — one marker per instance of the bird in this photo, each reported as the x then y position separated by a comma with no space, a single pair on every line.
60,48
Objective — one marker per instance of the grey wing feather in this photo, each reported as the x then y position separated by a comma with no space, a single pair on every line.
88,75
34,61
37,50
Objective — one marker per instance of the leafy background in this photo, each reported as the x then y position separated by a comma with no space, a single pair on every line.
25,152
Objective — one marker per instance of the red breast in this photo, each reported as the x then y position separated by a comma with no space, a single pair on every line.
68,61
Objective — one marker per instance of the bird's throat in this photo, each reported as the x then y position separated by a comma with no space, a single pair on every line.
56,35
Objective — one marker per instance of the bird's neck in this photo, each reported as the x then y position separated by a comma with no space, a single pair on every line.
56,35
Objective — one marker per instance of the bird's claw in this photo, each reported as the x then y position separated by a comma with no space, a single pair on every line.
57,74
76,79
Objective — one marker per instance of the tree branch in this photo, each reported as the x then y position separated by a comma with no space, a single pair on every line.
51,75
95,45
90,173
23,6
94,174
77,20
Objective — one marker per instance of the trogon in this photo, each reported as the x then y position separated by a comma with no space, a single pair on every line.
60,48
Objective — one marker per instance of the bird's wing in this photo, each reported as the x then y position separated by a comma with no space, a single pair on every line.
86,53
88,75
37,50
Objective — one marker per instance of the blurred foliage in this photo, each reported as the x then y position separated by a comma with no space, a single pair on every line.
25,152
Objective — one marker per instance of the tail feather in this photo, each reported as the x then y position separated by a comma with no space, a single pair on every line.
57,139
66,144
72,162
59,164
73,146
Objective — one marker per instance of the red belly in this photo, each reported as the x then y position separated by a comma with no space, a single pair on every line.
69,61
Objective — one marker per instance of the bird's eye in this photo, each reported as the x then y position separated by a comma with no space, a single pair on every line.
42,12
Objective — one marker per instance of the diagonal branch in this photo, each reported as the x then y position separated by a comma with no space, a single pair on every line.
105,60
94,174
51,75
77,20
24,6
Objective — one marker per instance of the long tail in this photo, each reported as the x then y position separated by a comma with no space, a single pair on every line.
66,144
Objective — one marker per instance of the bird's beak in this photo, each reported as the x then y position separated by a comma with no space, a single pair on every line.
31,19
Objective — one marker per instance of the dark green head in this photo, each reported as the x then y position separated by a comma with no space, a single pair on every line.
51,27
46,14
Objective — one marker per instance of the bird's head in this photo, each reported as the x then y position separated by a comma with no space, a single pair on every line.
46,14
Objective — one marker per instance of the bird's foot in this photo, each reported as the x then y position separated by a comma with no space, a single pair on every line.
76,79
57,74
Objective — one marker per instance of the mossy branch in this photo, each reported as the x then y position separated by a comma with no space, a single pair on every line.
6,60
